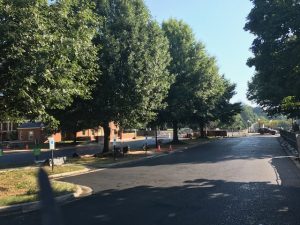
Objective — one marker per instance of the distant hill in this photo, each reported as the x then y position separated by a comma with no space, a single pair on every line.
251,115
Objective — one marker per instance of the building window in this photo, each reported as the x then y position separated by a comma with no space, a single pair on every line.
30,135
93,132
83,132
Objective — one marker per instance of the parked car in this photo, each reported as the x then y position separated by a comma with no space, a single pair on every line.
266,130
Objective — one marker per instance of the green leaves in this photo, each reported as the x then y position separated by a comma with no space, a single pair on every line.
276,53
47,56
199,94
133,60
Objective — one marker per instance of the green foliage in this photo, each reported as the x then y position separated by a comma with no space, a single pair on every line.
276,51
134,55
254,115
46,56
224,111
183,66
199,95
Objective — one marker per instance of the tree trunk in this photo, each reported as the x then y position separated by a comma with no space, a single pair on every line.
156,141
202,133
74,137
175,131
106,129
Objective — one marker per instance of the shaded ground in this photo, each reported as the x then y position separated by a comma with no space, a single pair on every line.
232,181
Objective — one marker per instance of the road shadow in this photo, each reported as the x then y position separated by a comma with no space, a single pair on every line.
201,201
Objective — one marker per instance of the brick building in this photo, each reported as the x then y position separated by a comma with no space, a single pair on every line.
35,132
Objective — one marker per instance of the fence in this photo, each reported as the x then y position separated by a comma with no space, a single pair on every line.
290,137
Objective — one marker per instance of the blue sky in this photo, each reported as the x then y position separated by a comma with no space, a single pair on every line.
219,25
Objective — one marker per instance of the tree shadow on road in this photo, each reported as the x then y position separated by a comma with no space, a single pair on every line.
201,201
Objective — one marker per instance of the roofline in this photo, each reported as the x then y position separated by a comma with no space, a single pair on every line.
27,128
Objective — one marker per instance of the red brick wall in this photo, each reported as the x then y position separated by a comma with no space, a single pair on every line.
37,134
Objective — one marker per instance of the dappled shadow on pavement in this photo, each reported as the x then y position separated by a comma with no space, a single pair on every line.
201,201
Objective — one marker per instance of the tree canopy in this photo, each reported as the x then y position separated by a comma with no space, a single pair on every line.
46,56
199,92
276,26
133,78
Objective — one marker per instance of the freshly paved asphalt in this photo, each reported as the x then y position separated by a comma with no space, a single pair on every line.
236,181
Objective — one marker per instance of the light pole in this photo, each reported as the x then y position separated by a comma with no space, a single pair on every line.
258,123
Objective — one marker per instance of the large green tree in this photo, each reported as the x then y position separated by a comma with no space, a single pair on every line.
185,53
199,94
133,80
46,56
276,49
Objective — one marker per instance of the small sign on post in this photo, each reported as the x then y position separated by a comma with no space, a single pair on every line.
52,147
1,151
51,143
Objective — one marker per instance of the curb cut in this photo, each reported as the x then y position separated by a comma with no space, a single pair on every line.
81,191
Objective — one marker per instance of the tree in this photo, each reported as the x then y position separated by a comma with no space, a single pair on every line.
199,94
133,79
185,53
276,54
74,118
224,111
46,56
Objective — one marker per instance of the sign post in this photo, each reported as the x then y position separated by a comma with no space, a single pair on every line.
52,147
114,146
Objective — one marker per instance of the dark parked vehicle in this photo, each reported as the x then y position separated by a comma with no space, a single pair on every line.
266,131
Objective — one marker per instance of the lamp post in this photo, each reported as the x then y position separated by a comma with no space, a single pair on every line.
258,123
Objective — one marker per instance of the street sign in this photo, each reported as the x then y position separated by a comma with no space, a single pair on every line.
51,143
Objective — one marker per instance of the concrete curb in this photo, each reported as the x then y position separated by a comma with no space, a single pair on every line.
290,151
162,154
67,174
82,191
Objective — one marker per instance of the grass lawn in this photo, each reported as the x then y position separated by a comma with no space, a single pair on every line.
20,185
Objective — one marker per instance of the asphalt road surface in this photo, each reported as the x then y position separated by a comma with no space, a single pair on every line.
236,181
